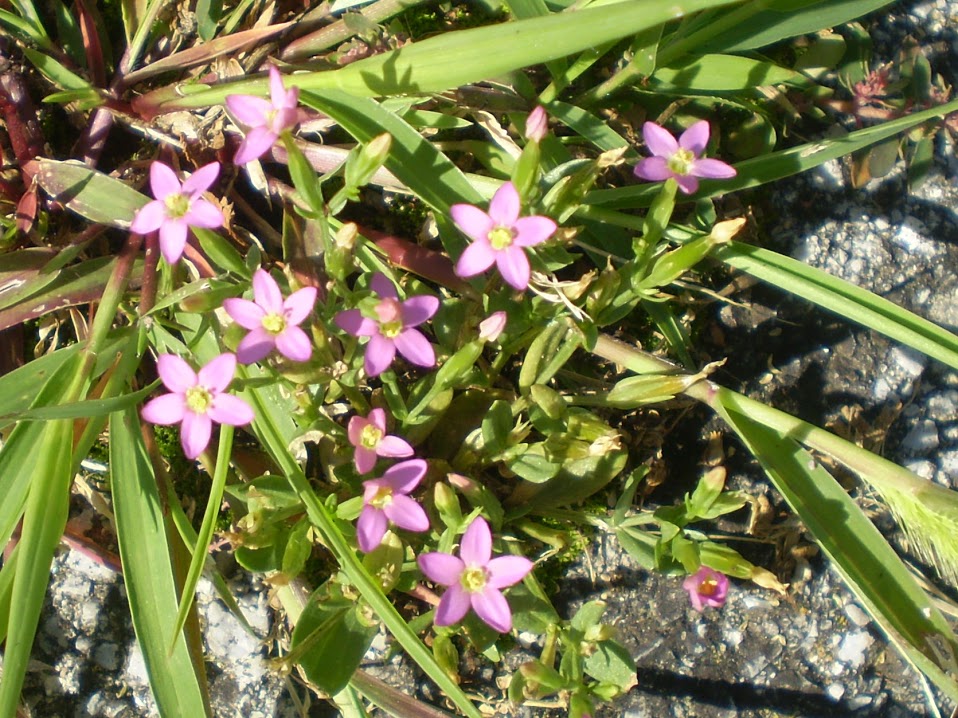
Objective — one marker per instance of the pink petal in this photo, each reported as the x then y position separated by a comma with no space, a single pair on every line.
353,322
364,459
164,410
201,180
475,548
257,143
653,169
299,305
472,221
381,284
477,258
659,140
453,606
354,429
407,514
370,528
285,118
507,570
514,267
247,314
173,234
713,169
491,606
415,347
441,568
380,353
149,218
377,417
195,433
687,183
403,478
695,137
163,181
277,92
218,372
250,110
229,409
255,346
205,214
418,309
177,375
266,292
393,447
505,205
533,230
294,344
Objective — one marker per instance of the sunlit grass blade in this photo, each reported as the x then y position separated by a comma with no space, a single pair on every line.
45,516
868,564
776,165
843,298
178,687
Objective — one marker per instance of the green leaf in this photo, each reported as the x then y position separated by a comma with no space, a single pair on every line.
549,351
91,194
178,686
57,73
221,252
611,663
496,426
843,298
721,73
863,557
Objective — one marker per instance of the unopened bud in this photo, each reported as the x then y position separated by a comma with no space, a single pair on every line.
492,326
537,124
346,236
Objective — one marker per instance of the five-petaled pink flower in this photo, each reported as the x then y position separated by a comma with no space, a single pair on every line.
475,579
266,119
499,235
178,207
387,499
706,587
370,439
392,329
197,400
273,321
680,160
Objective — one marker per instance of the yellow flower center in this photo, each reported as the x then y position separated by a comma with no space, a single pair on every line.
198,399
500,237
474,579
177,205
681,161
389,311
274,323
370,437
382,499
708,587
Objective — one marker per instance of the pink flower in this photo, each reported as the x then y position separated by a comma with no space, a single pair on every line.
492,326
267,119
273,321
475,579
197,400
680,160
706,587
178,207
386,499
498,236
370,439
392,329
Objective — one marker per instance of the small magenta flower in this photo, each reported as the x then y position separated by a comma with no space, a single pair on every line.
499,235
682,160
273,321
266,119
370,439
706,587
392,329
197,400
492,326
475,579
387,499
178,207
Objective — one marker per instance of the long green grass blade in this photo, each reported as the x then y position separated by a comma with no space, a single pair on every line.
843,298
868,564
148,572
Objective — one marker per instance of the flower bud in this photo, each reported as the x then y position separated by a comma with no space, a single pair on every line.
537,124
492,326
